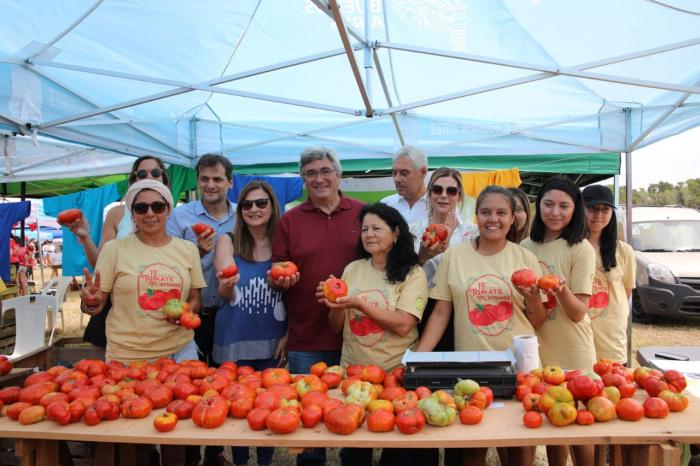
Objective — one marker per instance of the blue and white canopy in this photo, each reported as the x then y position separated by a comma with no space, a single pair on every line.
260,79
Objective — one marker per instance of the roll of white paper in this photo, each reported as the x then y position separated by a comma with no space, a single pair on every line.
526,349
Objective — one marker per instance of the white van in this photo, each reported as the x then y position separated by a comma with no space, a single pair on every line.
666,241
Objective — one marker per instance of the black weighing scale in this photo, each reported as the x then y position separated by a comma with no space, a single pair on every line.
442,370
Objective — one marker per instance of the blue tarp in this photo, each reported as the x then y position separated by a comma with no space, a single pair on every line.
463,77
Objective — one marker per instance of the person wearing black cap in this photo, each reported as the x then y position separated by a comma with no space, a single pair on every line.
614,276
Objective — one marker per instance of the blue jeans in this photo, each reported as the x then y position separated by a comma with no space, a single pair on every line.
300,362
241,454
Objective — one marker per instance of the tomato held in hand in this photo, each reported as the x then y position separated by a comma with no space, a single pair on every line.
334,288
283,270
201,228
230,271
435,233
548,282
69,216
523,278
190,320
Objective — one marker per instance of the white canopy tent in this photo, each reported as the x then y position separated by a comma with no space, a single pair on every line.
259,79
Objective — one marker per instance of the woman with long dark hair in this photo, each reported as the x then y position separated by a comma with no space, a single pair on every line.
614,279
558,239
251,327
387,294
473,280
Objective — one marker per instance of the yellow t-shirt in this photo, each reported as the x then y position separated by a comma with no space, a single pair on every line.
488,310
563,342
140,279
608,308
364,341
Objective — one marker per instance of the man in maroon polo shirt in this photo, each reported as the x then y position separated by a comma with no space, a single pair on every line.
320,236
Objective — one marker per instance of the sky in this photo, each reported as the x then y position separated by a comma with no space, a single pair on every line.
673,160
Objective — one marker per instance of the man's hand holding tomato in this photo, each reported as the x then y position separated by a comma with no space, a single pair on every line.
92,298
283,281
206,238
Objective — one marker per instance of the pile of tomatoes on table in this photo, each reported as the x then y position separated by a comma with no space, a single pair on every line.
94,391
599,395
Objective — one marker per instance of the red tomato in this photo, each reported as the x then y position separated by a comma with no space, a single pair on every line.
283,421
59,412
410,421
655,408
210,412
257,418
548,282
341,421
524,278
435,233
165,422
5,365
311,414
283,270
69,216
137,408
334,288
190,320
200,228
230,271
532,419
629,409
380,420
471,415
584,417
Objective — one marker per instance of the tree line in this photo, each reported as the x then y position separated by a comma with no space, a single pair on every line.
685,193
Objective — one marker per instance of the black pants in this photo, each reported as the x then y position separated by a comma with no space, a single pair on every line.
95,329
447,342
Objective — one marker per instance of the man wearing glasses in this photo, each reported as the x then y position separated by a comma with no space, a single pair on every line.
320,236
408,170
214,179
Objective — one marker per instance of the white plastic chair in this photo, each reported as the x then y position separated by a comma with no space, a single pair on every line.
30,322
56,288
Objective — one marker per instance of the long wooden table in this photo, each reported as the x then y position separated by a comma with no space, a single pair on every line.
502,426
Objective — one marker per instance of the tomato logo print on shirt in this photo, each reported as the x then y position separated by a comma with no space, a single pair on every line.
598,303
490,305
156,284
364,330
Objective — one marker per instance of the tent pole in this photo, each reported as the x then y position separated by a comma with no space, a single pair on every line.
628,217
23,197
351,56
368,52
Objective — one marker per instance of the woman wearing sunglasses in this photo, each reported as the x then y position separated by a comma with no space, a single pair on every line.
251,327
117,224
140,273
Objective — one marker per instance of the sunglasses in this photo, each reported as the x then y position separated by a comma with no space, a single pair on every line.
157,207
437,190
142,174
259,203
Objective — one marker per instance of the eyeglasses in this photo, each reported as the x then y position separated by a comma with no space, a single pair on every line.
437,190
312,174
157,207
155,173
259,203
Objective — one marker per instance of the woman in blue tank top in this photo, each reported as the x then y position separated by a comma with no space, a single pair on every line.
251,328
